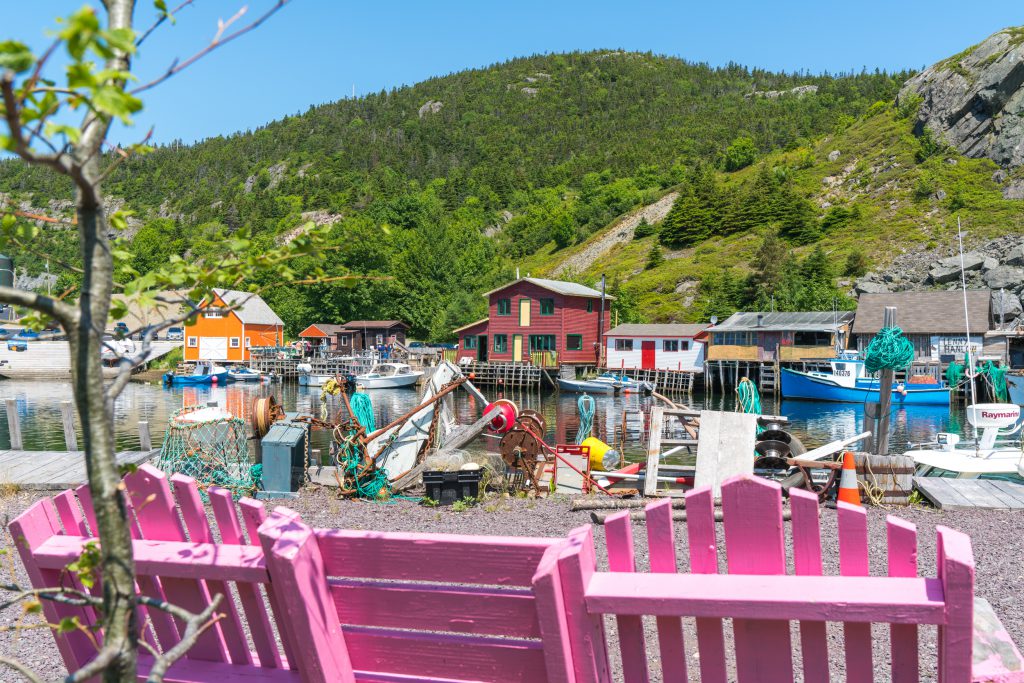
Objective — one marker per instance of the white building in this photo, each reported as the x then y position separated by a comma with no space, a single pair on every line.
656,347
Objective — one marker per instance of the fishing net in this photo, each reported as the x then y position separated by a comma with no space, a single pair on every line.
889,350
357,473
210,445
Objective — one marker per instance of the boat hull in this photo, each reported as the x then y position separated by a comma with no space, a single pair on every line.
193,380
244,376
800,385
584,386
388,382
313,380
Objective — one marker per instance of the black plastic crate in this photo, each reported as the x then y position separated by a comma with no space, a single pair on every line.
447,487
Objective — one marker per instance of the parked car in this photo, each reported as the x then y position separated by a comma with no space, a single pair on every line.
175,334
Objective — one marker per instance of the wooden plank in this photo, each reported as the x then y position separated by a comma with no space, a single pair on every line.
14,424
1011,490
806,532
1006,498
700,532
725,448
941,494
619,541
901,540
980,495
996,657
654,450
853,561
661,550
67,416
955,564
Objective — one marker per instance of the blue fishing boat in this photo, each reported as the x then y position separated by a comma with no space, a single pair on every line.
847,383
205,373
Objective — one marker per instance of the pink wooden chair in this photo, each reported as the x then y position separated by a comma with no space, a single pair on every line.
314,605
761,599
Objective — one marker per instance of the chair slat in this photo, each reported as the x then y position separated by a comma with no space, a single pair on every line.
253,515
157,516
806,531
755,544
552,621
249,595
853,561
297,570
70,514
30,530
619,541
902,560
661,550
576,566
700,531
955,563
85,499
186,492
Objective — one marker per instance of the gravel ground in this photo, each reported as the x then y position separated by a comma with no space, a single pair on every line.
995,535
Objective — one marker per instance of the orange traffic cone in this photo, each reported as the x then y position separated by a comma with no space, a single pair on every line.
848,489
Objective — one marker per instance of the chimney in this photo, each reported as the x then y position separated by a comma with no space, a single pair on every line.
760,319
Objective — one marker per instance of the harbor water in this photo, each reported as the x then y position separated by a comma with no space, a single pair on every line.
38,404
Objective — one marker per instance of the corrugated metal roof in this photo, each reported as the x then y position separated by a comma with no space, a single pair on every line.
658,330
250,308
925,312
809,321
355,324
567,288
473,324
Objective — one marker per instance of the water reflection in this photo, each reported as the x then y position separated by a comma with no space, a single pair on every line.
38,405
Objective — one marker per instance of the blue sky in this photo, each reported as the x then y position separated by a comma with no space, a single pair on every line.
314,51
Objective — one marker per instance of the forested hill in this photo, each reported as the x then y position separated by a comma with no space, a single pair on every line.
448,184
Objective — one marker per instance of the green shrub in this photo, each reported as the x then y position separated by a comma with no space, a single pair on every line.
644,229
740,154
857,264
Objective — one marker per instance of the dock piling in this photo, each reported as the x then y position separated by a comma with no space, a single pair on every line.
14,425
67,415
145,441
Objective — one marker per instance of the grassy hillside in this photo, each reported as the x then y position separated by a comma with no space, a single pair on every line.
450,184
900,200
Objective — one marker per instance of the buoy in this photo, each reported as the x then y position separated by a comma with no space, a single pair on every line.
849,491
603,458
503,422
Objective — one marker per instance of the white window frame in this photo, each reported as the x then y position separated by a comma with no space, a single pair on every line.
193,342
234,342
248,342
213,313
344,340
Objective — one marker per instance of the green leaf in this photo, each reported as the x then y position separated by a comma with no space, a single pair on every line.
68,624
80,75
72,133
114,101
122,39
16,56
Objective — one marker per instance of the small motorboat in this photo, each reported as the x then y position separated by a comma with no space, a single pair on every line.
389,376
627,385
205,373
243,374
588,386
993,456
847,382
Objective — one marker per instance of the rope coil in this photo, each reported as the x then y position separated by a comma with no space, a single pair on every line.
889,350
585,408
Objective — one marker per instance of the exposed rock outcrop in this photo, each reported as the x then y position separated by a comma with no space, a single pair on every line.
975,100
430,107
798,91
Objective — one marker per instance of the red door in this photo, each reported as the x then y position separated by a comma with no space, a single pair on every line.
647,354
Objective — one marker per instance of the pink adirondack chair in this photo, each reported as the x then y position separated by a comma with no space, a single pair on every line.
761,599
338,606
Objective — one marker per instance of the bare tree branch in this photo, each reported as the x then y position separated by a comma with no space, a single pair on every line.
195,626
28,673
64,313
161,20
12,114
218,40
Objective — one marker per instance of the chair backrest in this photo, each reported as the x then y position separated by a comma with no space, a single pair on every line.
326,604
762,600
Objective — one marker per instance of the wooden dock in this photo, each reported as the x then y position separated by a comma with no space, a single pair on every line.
502,374
55,470
971,494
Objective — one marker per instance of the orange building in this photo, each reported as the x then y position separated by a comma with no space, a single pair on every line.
232,324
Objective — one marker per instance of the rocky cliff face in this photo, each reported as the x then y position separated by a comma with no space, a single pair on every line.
975,100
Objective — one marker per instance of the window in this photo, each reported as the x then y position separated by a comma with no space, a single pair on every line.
213,313
248,342
524,313
734,338
590,305
574,342
812,339
542,342
547,306
344,340
193,342
670,345
504,307
623,344
501,343
469,342
235,342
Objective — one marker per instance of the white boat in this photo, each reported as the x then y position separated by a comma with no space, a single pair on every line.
389,376
993,456
243,374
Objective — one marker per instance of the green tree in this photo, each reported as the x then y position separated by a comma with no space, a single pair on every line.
857,263
740,154
644,229
655,257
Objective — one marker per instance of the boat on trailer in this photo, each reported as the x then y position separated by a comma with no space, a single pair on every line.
993,456
847,382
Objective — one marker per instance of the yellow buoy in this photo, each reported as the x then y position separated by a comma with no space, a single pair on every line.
602,456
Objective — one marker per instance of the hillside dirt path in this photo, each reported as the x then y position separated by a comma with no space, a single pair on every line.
620,233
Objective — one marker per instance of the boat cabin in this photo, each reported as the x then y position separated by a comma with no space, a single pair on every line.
546,322
656,347
782,337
